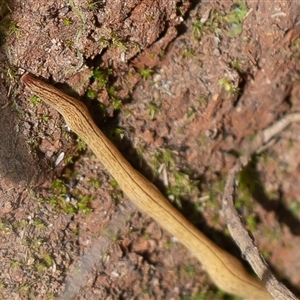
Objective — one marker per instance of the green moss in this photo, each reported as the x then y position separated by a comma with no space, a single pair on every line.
145,72
102,76
67,22
153,110
228,86
35,100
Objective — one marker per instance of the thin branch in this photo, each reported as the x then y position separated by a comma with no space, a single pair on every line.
237,230
258,144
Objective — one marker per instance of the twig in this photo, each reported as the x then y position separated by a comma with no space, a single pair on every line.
257,145
237,230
